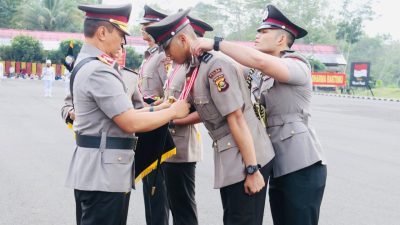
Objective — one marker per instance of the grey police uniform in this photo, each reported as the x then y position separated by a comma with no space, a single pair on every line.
99,169
288,109
299,167
214,103
219,90
131,81
153,73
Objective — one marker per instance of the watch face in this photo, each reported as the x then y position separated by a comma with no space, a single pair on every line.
250,169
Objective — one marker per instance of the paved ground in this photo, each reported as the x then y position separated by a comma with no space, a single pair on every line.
361,137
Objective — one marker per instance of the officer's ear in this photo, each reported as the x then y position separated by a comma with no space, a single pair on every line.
281,38
101,33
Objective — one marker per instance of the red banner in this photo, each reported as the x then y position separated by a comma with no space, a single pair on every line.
328,79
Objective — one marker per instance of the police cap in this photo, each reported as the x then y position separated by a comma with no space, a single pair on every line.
151,15
163,31
274,18
117,15
200,27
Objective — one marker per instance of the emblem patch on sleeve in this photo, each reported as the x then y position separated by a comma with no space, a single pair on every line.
222,84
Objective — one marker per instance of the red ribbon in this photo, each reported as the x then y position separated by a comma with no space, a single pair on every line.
189,84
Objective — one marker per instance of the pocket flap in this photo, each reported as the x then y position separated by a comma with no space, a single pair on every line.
290,129
201,100
111,156
225,143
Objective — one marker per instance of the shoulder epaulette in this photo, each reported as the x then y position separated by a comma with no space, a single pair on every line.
127,69
106,59
154,49
206,57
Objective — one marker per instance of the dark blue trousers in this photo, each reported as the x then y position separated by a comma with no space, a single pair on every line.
295,198
156,206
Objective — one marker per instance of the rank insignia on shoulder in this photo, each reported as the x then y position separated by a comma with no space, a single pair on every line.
106,59
222,84
127,69
206,57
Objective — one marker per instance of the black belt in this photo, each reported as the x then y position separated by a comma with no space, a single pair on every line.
86,141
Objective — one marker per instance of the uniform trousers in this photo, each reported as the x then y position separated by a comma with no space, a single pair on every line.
295,198
180,182
241,208
156,206
101,208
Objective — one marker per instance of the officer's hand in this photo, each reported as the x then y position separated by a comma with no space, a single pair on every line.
164,105
180,108
202,45
157,102
71,114
254,183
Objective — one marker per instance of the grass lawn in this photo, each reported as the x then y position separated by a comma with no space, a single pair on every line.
384,92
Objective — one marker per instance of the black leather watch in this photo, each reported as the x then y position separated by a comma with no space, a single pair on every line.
217,40
251,169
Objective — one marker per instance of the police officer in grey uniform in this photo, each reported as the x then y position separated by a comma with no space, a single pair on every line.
180,169
101,169
299,172
242,151
152,76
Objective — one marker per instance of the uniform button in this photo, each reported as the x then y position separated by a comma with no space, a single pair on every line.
199,102
269,135
292,132
229,144
173,131
119,158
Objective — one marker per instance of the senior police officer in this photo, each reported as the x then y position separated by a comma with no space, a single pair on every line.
101,167
152,76
180,169
299,170
242,150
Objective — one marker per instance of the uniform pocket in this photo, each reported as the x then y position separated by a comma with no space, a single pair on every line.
290,129
225,143
206,108
111,156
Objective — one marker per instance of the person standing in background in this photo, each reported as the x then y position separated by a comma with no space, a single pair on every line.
48,76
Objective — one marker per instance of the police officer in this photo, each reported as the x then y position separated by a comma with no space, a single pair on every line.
101,167
180,169
48,78
152,75
299,171
242,150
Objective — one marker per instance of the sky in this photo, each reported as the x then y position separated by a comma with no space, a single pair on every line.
386,22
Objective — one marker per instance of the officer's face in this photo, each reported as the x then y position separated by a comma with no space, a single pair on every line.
146,36
178,49
266,40
115,40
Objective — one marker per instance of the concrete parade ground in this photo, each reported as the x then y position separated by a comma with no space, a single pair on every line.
361,139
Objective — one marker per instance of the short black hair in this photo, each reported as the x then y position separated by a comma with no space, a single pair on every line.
90,26
289,37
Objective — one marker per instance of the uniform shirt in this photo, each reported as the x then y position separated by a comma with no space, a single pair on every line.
48,73
99,95
219,90
186,138
131,80
288,109
153,73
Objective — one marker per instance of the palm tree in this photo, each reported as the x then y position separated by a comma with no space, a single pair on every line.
50,15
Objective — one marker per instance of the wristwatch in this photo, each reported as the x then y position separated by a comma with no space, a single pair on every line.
217,40
251,169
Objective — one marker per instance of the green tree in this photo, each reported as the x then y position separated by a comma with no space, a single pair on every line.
49,15
8,9
26,49
58,56
133,59
6,53
350,26
211,14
